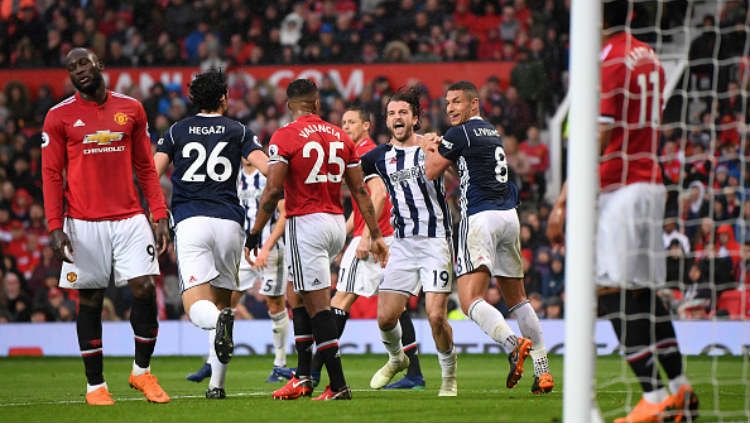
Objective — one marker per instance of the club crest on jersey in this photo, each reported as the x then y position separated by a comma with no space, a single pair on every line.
121,118
72,277
103,137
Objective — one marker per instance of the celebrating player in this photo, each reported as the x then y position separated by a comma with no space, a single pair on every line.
360,274
207,150
422,256
630,264
308,160
489,232
96,138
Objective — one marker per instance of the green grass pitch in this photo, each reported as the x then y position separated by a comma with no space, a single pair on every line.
51,389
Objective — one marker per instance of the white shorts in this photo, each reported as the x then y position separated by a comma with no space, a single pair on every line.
629,249
125,246
312,242
361,277
272,277
419,262
208,250
492,239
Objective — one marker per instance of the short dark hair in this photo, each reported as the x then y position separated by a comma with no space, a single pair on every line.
466,87
615,13
300,88
409,95
365,115
207,89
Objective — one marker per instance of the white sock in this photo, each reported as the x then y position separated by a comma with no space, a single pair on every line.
138,370
656,396
392,341
492,322
674,384
280,328
203,313
218,369
447,362
528,322
92,388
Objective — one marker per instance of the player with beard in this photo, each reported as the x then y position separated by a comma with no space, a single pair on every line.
422,256
95,140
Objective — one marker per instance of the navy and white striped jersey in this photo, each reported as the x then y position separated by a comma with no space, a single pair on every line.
207,152
419,206
477,150
249,189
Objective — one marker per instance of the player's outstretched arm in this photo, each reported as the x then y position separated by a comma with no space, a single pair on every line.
269,200
434,164
355,181
259,160
378,193
556,220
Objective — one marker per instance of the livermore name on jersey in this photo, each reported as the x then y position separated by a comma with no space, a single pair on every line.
477,150
419,206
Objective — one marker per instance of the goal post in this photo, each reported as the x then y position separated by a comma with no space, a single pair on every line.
583,153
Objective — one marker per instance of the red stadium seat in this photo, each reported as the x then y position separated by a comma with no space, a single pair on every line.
736,302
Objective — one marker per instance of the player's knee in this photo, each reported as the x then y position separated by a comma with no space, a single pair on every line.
91,297
437,318
387,321
275,304
142,287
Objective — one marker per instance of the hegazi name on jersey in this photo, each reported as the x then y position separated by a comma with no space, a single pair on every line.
207,130
103,139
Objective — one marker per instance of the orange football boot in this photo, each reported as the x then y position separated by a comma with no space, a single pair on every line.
149,385
100,396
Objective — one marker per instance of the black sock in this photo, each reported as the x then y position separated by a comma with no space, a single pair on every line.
340,316
143,319
327,344
635,335
409,341
303,340
667,348
89,328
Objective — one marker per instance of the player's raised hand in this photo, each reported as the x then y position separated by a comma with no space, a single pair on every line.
379,250
162,235
429,141
363,248
61,245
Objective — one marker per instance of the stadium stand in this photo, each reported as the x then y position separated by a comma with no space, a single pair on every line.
532,35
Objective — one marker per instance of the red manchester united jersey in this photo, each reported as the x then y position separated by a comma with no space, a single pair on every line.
318,154
98,147
632,82
384,222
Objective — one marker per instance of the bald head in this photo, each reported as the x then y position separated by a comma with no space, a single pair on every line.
85,70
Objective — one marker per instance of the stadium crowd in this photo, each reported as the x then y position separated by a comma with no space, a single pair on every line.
705,160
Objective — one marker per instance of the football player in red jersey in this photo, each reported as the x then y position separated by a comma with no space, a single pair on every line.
308,160
630,266
97,138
